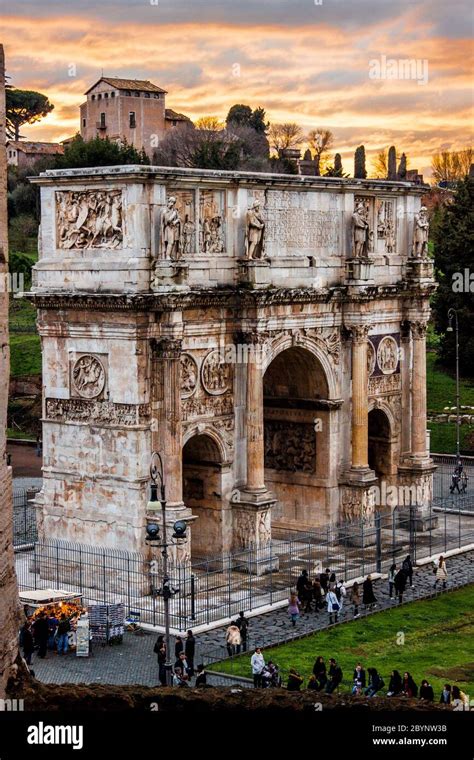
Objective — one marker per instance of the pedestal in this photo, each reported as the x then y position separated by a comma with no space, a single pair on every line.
168,275
255,273
420,271
252,537
416,489
360,271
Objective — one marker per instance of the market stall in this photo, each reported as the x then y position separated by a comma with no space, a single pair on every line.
57,603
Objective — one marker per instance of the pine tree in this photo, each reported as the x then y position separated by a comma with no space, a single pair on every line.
453,239
337,165
360,171
392,163
402,167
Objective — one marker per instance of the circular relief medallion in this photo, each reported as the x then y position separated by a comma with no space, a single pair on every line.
387,355
215,375
189,375
88,376
370,357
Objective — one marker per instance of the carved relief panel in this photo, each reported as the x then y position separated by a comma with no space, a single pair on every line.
89,219
386,226
88,376
193,222
212,225
290,446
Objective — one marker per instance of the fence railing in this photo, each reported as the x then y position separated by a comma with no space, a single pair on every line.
25,531
219,587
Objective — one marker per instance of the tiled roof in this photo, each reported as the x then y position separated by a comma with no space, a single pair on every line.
47,149
142,85
175,116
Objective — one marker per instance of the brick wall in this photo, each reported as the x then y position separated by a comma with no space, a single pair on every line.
8,587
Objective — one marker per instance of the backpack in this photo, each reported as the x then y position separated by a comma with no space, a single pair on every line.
381,683
406,566
337,591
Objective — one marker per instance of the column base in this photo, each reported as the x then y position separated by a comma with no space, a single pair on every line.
420,270
359,475
360,271
420,517
416,479
252,532
357,499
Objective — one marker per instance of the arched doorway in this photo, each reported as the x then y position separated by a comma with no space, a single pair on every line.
380,450
299,428
202,493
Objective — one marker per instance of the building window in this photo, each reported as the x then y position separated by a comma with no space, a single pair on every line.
137,94
99,97
147,94
128,93
92,97
132,121
106,95
102,119
112,94
83,122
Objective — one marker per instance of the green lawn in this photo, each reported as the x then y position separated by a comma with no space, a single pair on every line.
443,437
25,354
441,387
438,644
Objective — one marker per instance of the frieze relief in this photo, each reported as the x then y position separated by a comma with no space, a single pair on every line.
88,219
382,384
97,412
189,375
215,374
387,355
290,446
207,406
250,529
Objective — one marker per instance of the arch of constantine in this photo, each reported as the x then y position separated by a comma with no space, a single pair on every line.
264,333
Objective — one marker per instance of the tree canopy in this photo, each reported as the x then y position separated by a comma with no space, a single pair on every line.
453,238
24,107
81,153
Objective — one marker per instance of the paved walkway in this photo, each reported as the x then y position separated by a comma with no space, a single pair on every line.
133,662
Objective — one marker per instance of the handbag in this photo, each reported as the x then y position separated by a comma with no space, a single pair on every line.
336,607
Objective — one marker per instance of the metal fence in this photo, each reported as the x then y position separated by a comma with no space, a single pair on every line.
454,494
24,518
218,588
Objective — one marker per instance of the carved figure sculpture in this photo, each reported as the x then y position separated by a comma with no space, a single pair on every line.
420,235
255,231
360,232
170,230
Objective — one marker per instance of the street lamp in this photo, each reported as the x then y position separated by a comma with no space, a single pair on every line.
153,536
452,314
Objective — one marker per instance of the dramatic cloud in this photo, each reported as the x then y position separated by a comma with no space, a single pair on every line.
299,60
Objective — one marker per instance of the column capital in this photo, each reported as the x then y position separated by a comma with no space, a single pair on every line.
418,329
166,348
359,333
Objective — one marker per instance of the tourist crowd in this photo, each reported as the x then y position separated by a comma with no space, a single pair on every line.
328,678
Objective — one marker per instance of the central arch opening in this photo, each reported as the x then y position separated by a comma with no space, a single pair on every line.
202,492
296,434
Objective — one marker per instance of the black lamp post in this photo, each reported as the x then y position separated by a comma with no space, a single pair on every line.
153,536
452,314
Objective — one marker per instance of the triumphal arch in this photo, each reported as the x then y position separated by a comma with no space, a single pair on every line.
265,333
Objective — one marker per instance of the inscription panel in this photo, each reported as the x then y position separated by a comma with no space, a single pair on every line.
292,224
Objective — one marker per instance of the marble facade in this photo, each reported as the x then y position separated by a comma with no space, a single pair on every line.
229,321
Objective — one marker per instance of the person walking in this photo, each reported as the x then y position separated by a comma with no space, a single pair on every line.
368,596
391,579
395,686
341,593
445,698
233,639
319,672
441,573
410,689
295,681
53,623
426,691
332,581
243,625
257,662
355,598
335,676
407,567
317,596
400,584
189,650
376,683
304,590
26,642
161,656
41,633
178,647
333,606
294,606
324,580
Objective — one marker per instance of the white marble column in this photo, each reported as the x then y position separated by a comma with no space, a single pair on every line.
418,401
360,407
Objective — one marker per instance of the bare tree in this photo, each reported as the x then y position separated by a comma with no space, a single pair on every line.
451,166
199,149
210,123
320,142
283,136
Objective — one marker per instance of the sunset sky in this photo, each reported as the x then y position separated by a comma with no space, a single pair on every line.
300,60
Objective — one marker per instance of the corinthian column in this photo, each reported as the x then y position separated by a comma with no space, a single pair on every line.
418,425
167,438
255,435
360,407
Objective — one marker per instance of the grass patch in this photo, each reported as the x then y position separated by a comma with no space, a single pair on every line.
443,437
441,387
25,354
438,637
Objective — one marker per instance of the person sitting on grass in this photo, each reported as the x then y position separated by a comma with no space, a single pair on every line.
376,683
395,686
295,681
426,691
335,676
